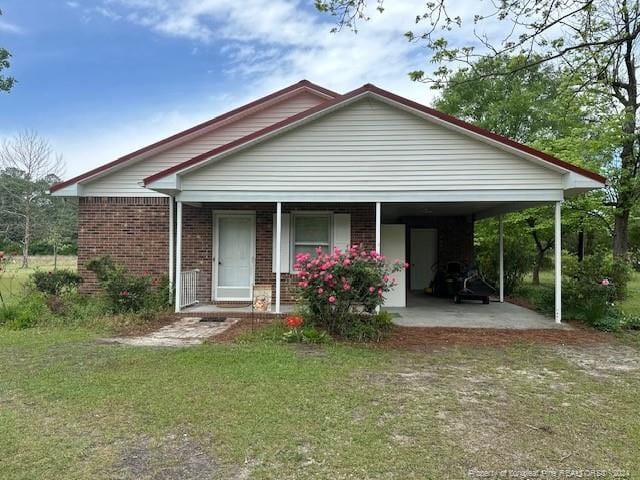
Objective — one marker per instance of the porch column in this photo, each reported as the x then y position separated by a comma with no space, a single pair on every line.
501,259
378,217
558,261
278,250
171,248
178,254
378,230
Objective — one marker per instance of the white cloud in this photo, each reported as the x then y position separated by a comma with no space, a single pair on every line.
266,46
6,27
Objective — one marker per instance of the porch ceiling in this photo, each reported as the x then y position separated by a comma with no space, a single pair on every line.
393,212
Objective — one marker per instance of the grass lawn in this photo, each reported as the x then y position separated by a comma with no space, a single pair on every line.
631,304
74,408
13,279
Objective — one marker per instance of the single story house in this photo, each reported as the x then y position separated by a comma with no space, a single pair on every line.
226,205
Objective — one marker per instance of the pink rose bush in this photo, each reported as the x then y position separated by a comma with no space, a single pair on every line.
335,287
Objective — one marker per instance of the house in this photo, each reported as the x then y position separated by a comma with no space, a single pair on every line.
226,205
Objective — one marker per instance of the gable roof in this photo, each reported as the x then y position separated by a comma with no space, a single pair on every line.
208,125
327,106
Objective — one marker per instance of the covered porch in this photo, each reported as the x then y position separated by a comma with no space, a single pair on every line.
424,234
423,311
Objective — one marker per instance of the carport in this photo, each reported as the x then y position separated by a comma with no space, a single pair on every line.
430,235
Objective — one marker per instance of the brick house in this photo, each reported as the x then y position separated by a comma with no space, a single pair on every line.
307,167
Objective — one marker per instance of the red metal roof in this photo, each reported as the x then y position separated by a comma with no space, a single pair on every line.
220,118
391,96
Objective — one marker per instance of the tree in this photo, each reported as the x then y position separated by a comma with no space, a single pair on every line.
537,106
6,83
27,163
595,39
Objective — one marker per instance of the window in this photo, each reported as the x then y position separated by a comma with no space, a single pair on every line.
311,231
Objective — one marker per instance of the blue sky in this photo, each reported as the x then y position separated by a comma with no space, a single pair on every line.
100,78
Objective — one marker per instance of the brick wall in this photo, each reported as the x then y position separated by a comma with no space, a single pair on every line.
197,241
198,238
134,231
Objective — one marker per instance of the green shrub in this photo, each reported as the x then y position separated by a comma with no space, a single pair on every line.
367,327
336,289
598,267
307,334
630,322
518,260
28,312
55,282
125,292
160,295
80,309
590,290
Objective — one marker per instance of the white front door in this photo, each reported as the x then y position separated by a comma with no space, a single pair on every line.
392,246
423,257
234,260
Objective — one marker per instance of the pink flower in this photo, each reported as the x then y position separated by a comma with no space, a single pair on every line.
346,287
303,284
319,250
406,265
385,278
320,290
372,289
380,292
346,262
302,257
605,282
373,253
332,299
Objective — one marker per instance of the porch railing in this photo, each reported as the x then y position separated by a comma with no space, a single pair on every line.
189,288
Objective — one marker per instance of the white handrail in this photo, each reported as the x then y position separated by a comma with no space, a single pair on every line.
189,288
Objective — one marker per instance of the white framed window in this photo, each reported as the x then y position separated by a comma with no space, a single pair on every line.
311,230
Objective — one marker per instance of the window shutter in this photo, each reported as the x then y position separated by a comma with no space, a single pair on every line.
285,260
342,231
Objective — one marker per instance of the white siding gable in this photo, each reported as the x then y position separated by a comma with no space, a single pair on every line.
124,182
371,146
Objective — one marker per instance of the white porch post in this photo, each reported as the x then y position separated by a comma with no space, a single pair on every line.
278,252
558,260
178,254
501,259
378,217
171,247
378,233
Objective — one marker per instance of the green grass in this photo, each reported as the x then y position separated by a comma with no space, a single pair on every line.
74,408
631,304
14,277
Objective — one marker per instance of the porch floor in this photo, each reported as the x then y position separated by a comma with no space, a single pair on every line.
229,310
425,311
